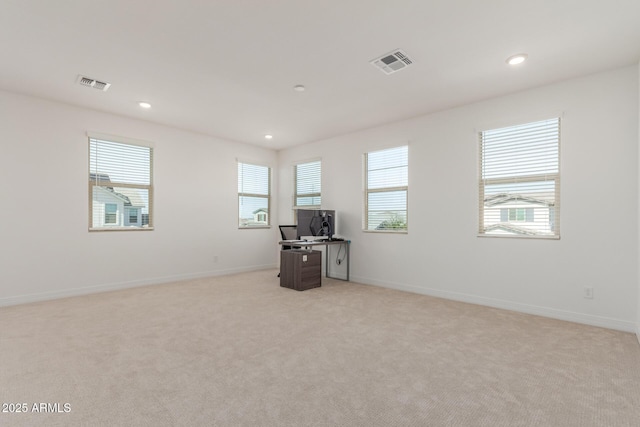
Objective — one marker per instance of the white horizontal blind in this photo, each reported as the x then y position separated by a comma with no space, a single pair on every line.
120,185
254,198
386,189
308,185
520,180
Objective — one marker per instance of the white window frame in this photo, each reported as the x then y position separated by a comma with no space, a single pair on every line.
95,180
536,161
296,177
386,189
242,194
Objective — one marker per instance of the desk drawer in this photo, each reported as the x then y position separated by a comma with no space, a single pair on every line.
300,269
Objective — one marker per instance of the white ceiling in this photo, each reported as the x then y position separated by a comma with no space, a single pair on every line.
227,68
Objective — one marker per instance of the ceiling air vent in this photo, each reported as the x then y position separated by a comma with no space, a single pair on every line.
393,61
96,84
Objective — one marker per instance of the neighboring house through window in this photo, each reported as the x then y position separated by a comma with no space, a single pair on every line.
120,184
520,180
261,216
386,189
254,195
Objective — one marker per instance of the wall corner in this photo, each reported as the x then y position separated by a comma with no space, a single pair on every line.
638,244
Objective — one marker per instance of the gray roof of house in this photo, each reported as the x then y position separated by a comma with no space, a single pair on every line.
498,199
133,196
511,229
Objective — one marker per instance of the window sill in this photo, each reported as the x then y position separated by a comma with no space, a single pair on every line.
386,231
101,229
506,236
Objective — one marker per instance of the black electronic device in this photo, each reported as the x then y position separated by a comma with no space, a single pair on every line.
316,223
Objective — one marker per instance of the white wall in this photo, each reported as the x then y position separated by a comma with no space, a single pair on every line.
47,250
441,254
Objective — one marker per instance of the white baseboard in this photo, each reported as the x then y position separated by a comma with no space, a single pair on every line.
65,293
604,322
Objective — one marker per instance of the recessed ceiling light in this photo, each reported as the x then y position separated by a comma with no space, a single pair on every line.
144,104
517,59
267,136
299,88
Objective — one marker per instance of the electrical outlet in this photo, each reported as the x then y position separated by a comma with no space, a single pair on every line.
588,292
304,258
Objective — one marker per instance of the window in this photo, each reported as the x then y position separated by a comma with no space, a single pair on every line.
110,213
120,185
516,214
254,190
308,186
520,180
133,216
386,189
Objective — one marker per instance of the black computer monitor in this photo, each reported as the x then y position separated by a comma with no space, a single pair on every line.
316,223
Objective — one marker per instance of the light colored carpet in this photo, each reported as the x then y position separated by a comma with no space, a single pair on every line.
241,351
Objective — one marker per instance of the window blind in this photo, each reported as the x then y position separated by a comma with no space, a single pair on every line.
308,185
519,182
120,185
254,198
386,189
